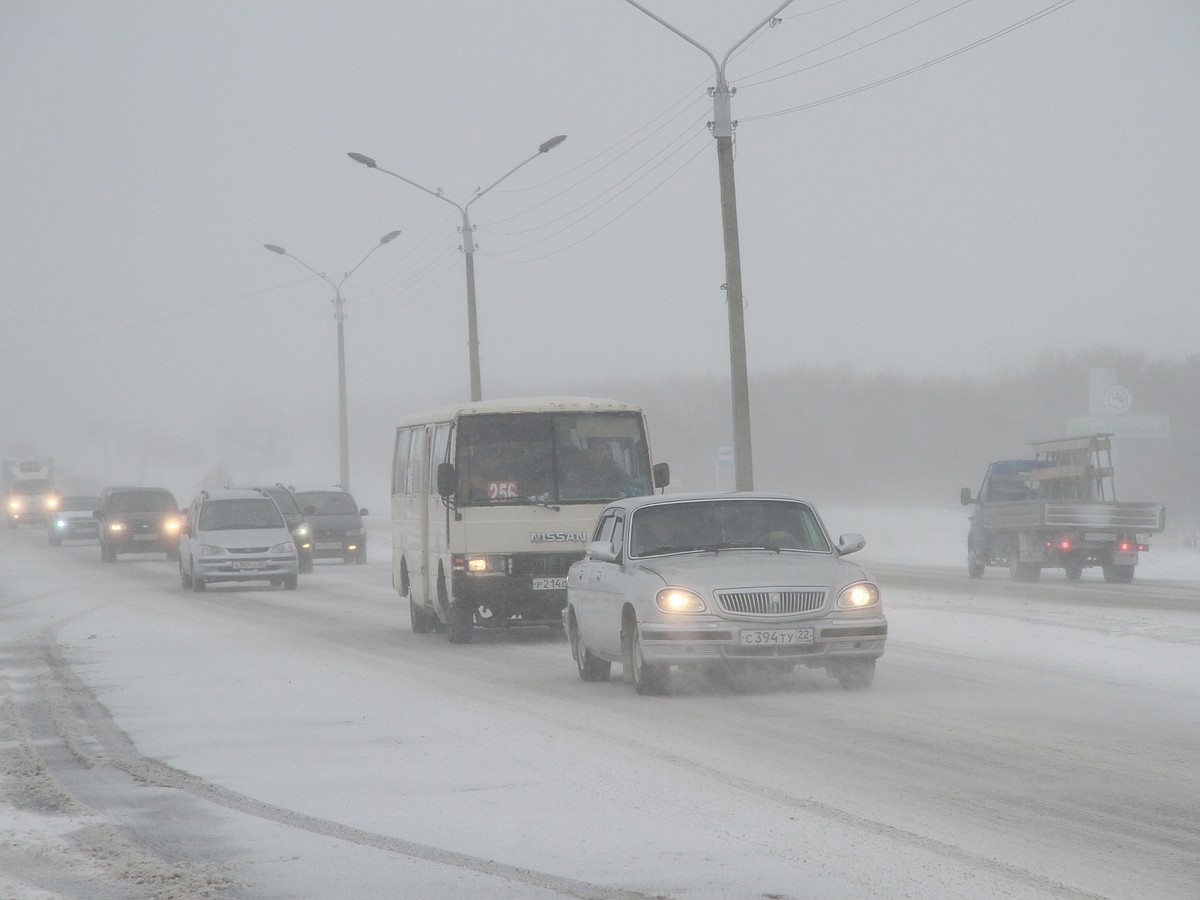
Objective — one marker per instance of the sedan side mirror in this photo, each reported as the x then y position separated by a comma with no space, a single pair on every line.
602,551
363,512
850,543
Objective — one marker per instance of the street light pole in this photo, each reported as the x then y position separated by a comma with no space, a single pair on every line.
339,314
722,129
468,245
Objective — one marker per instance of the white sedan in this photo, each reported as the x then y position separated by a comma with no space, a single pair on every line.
715,580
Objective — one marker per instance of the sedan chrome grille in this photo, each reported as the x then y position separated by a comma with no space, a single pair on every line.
772,603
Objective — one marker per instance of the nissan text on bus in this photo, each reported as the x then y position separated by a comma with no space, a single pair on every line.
493,500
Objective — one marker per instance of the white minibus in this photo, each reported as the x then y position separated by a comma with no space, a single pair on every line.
493,500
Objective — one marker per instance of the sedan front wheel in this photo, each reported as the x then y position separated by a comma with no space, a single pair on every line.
648,679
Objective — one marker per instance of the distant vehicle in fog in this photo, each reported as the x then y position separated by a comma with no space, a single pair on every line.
297,523
336,522
29,494
138,520
236,535
1058,510
75,519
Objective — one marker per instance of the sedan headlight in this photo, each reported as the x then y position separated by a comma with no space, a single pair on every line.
858,596
678,600
212,550
15,504
302,530
285,547
356,532
60,524
172,526
51,503
116,527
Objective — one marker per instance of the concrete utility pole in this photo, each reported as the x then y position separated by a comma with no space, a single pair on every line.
339,314
722,129
468,246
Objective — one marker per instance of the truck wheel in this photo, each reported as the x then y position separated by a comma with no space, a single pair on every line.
1114,574
974,566
1021,571
1074,570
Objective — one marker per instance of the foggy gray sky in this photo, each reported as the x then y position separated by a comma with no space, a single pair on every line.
1038,191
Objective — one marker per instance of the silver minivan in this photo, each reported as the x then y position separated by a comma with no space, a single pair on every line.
236,535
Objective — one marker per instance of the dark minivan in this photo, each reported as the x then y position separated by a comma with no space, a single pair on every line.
138,520
337,524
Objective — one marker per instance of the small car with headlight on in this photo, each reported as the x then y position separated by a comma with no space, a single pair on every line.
138,520
336,523
236,535
297,524
719,581
73,520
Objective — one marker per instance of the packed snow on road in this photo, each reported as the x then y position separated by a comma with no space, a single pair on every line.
1020,740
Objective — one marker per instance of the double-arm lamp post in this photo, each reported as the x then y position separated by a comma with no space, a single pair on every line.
722,129
343,436
468,246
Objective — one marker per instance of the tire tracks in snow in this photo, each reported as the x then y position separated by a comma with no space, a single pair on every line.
118,751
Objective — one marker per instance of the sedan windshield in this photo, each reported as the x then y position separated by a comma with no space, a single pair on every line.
725,525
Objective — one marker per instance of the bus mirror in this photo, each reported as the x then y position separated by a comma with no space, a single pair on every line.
662,474
446,479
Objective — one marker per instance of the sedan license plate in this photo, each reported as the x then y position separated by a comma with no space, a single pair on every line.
549,584
145,537
248,564
328,545
778,637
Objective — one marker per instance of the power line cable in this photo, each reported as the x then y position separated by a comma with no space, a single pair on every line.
1053,8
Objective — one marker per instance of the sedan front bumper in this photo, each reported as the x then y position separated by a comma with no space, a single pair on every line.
808,641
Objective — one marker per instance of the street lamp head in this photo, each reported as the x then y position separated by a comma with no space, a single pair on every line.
390,236
549,145
274,248
360,158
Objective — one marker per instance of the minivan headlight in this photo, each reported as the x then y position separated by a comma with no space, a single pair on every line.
212,550
285,547
859,595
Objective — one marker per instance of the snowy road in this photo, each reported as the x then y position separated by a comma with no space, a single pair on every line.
1020,740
